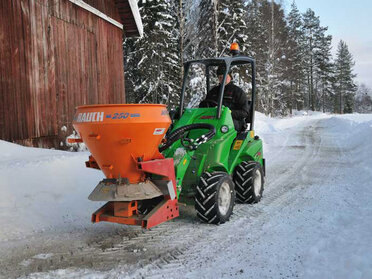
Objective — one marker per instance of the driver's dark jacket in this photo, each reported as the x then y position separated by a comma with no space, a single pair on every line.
235,99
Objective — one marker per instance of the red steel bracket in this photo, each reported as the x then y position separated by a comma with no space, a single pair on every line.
166,210
163,167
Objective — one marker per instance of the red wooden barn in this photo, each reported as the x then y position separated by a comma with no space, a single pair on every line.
56,55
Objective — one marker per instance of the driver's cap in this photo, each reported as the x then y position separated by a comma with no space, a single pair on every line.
221,70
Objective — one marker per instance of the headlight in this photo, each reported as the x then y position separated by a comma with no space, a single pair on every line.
224,129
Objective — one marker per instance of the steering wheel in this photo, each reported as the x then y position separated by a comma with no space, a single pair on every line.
188,143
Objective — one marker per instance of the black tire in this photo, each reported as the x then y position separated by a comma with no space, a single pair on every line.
245,179
209,206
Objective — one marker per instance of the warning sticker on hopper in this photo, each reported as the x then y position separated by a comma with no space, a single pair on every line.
159,131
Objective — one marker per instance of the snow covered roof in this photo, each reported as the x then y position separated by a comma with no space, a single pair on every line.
130,17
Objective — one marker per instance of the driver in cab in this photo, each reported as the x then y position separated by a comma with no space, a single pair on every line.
234,98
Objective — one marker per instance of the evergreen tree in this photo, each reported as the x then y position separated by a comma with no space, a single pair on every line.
274,88
257,46
344,80
233,28
239,33
224,26
231,25
324,69
152,62
208,38
317,62
180,30
295,53
294,67
187,12
311,26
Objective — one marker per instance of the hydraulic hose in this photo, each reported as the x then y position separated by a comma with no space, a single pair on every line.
178,134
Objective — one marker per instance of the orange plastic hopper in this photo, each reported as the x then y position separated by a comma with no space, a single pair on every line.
120,136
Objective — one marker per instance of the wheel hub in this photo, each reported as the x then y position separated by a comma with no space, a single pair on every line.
224,198
257,185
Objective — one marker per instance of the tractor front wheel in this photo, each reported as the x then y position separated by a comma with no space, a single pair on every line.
215,197
249,182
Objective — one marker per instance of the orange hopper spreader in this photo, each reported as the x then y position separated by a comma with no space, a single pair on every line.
140,186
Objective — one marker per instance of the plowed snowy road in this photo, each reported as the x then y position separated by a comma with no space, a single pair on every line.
313,222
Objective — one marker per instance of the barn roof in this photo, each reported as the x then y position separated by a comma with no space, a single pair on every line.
128,11
130,17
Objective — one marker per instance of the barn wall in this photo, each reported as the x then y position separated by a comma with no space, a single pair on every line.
55,56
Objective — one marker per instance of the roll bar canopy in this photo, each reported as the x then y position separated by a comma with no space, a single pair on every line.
228,62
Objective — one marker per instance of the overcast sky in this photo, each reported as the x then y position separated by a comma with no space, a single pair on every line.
350,21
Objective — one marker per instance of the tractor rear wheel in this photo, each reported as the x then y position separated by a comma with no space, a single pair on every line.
249,182
215,197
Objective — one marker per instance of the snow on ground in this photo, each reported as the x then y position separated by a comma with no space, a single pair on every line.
42,190
324,229
315,219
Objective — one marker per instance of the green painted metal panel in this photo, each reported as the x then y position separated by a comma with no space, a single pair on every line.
218,154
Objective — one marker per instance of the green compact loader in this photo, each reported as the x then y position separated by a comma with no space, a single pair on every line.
215,164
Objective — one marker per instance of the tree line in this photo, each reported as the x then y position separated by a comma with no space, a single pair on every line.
295,69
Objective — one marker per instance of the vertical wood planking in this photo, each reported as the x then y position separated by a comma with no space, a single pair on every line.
41,48
7,74
13,113
27,56
64,67
58,74
53,129
3,127
52,59
3,78
34,62
16,94
2,102
21,70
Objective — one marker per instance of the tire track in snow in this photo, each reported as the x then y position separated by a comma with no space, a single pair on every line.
271,199
246,215
240,212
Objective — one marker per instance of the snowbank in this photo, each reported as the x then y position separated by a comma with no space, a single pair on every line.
43,189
